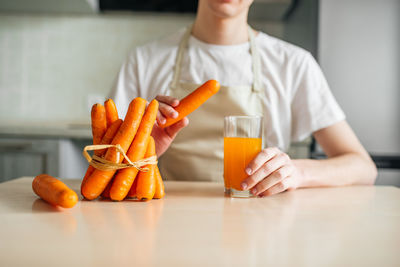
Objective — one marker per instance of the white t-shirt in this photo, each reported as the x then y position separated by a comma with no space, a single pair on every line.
298,98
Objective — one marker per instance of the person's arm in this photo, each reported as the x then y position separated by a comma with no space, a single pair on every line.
347,164
272,171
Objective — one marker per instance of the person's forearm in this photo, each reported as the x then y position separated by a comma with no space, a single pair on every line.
347,169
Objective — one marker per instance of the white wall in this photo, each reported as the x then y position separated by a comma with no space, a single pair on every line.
51,66
359,51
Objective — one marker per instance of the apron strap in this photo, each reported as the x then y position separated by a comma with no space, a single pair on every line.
182,45
256,66
255,61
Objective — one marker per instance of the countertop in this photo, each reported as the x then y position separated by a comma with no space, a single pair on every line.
48,130
196,225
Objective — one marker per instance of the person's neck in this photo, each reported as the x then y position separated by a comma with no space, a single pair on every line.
221,31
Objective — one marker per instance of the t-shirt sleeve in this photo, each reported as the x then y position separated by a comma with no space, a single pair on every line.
126,85
313,105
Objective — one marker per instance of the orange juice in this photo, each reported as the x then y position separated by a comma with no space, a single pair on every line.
238,152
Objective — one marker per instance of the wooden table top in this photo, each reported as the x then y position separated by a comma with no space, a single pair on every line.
196,225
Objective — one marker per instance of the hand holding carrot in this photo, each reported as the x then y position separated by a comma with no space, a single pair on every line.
171,117
190,102
164,136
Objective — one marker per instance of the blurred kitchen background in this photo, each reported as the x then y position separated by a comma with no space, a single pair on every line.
57,58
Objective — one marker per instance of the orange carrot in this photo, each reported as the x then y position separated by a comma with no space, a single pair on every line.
99,128
99,122
89,172
107,138
54,191
111,111
194,100
132,191
98,180
146,184
106,192
160,193
125,177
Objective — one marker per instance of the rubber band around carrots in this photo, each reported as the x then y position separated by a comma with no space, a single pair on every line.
105,165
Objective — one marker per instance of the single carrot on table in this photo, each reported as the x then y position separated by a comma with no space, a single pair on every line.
99,122
111,111
194,100
107,138
98,180
124,178
146,181
160,193
54,191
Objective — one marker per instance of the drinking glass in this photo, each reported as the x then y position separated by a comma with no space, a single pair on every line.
242,142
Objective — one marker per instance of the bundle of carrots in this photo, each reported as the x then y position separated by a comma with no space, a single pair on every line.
133,136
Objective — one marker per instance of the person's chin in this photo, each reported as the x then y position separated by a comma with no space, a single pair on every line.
225,10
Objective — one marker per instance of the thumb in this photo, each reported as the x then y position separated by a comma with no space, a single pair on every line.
174,129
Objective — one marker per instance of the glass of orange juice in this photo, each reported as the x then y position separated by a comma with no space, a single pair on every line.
242,142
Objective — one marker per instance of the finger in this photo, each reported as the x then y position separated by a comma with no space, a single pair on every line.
173,130
262,157
277,188
172,101
273,179
167,111
265,170
160,118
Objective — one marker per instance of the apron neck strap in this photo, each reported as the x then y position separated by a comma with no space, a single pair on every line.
256,67
255,61
178,61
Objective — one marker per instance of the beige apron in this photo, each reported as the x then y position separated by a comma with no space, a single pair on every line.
197,152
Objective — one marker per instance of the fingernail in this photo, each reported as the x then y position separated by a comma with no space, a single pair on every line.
174,115
248,171
163,121
254,191
243,185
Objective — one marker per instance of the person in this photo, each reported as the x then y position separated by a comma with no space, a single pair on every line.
259,75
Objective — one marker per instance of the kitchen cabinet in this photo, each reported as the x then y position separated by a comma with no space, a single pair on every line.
27,156
31,149
49,6
30,155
